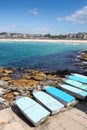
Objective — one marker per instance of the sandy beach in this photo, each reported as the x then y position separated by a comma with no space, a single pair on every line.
42,40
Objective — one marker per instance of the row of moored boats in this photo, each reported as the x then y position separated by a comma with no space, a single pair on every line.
52,100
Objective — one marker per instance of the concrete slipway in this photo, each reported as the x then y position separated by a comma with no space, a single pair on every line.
72,118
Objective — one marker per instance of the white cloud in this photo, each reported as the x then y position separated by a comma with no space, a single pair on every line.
13,26
8,28
80,16
33,11
59,19
40,30
44,29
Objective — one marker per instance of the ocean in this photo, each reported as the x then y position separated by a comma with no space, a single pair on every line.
40,55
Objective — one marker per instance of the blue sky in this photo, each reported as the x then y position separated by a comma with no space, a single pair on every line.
43,16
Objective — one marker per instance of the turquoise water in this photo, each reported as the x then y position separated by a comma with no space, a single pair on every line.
39,55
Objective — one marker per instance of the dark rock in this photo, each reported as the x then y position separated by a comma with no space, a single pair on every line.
62,72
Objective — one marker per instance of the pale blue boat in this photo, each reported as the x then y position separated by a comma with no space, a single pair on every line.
78,93
60,95
34,112
77,78
76,84
48,101
79,75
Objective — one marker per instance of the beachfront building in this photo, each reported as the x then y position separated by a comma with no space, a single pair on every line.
78,36
85,36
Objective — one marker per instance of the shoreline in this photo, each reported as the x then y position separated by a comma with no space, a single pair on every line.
42,40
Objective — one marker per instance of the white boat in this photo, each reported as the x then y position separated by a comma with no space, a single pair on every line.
75,84
77,77
48,101
78,93
32,110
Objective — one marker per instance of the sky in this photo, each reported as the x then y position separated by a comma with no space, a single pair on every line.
43,16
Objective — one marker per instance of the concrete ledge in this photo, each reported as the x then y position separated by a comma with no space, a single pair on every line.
71,119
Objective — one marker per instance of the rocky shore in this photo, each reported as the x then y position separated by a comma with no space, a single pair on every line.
21,82
82,61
